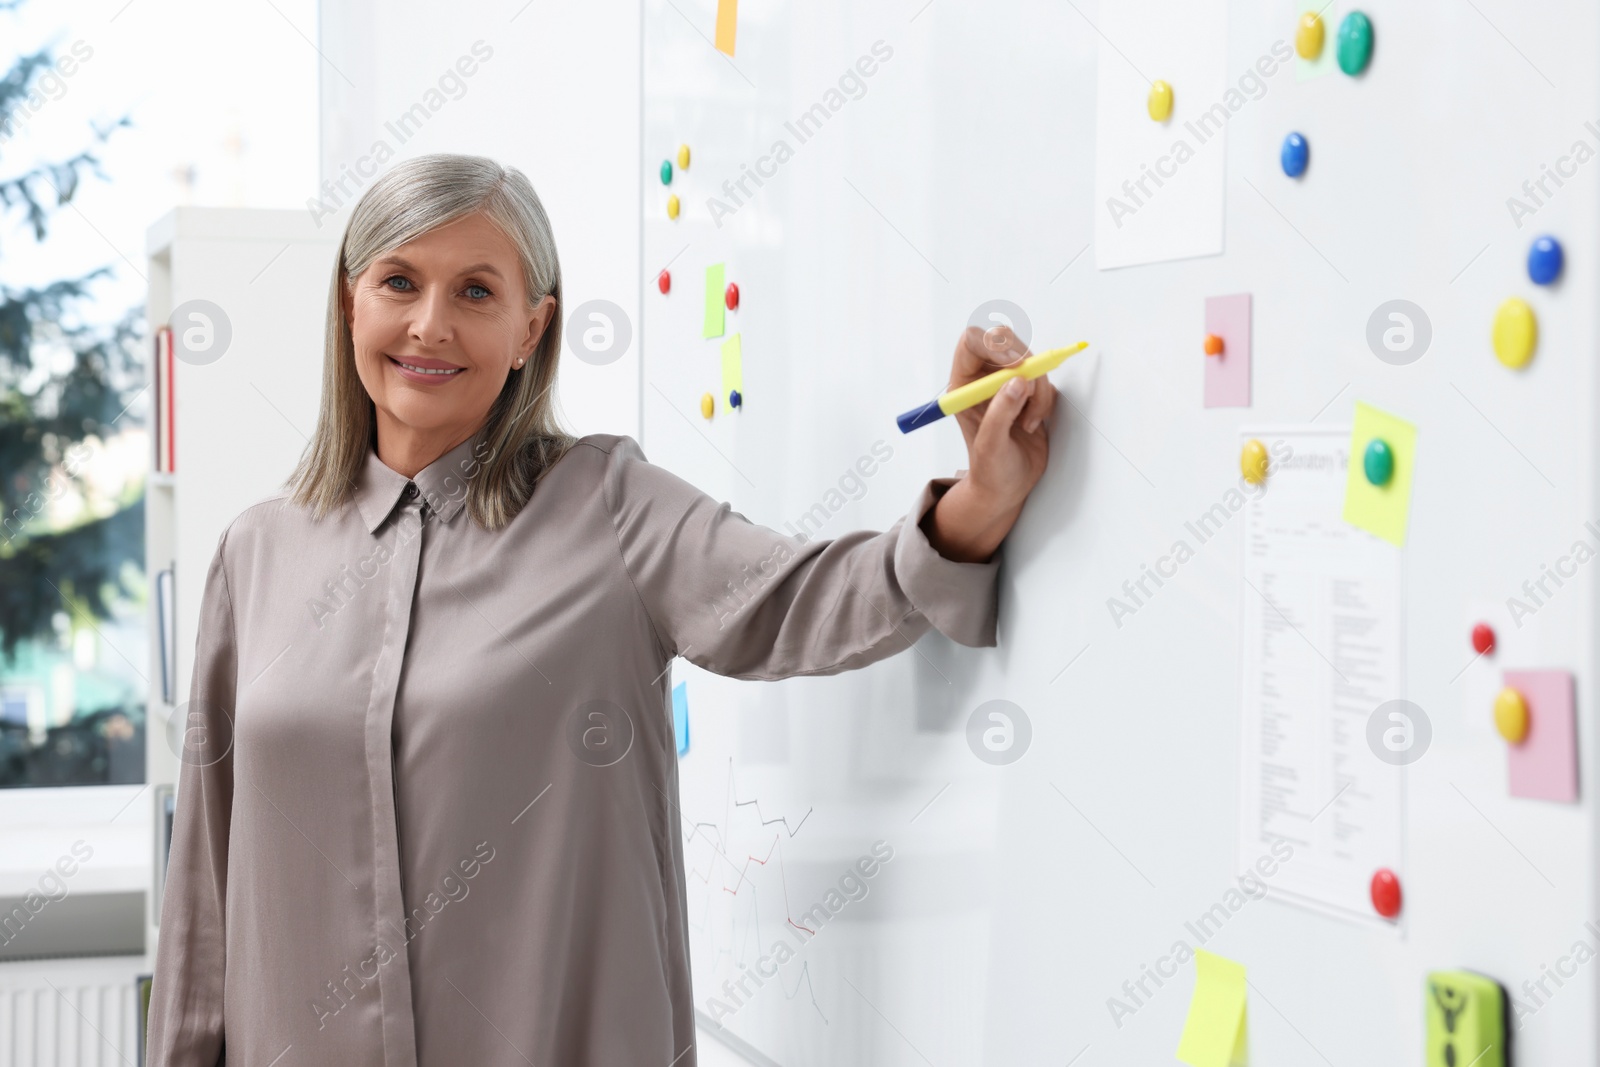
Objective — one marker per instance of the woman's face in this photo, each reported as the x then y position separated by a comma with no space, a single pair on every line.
438,323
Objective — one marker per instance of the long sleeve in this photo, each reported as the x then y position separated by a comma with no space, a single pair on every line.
746,601
186,995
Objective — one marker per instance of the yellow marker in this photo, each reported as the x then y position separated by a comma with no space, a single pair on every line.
974,393
683,157
1511,715
1308,36
1516,332
1160,102
1253,462
708,405
672,206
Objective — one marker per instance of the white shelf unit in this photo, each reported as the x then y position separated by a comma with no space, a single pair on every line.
240,426
240,422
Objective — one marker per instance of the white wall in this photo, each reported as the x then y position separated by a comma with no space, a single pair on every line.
558,98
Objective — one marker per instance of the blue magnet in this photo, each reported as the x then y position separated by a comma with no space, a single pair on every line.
1295,155
734,399
1544,260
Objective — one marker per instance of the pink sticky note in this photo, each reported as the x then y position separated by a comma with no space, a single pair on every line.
1228,373
1544,765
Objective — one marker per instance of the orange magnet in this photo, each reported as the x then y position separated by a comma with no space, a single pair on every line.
1213,345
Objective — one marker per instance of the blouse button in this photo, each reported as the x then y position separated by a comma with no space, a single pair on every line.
411,489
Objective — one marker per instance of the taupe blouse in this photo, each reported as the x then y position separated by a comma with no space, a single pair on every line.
427,806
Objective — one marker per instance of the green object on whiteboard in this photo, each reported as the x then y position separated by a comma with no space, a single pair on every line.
1355,43
1466,1020
715,310
1216,1032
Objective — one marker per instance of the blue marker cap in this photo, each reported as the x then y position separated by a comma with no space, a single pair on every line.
917,418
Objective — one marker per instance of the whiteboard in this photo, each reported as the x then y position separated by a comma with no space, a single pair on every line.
1021,897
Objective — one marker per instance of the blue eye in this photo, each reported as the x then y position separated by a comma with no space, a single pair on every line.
486,292
396,278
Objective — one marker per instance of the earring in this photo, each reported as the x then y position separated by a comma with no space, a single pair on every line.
519,363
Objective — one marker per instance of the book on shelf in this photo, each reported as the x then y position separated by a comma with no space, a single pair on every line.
162,368
167,630
142,985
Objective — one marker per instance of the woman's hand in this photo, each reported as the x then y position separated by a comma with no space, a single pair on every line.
1008,448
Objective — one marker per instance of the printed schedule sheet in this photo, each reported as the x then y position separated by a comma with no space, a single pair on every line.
1321,605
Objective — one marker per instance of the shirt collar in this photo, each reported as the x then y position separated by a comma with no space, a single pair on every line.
442,484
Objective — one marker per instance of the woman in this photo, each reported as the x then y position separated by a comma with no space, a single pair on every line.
428,799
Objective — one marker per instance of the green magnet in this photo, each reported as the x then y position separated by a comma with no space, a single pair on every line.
1379,461
1355,43
666,172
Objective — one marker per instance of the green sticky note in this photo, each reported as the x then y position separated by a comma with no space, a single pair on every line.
714,296
732,369
1466,1020
1380,509
1215,1034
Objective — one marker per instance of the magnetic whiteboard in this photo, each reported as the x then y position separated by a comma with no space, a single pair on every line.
1021,898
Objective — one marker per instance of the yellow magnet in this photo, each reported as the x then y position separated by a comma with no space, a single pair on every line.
1511,715
672,206
683,157
1253,462
1516,332
1160,102
708,405
1308,36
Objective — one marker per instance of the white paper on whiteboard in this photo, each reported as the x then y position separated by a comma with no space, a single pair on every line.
1321,604
1159,186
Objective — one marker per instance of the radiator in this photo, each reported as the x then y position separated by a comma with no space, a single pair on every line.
70,1013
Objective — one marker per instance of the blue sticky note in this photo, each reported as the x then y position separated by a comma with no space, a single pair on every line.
680,716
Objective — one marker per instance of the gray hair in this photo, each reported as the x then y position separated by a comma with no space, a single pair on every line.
522,431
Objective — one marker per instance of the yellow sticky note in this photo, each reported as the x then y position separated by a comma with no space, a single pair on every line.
1215,1034
714,296
727,22
732,369
1381,509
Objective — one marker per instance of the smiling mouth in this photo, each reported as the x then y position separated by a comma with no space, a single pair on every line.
443,372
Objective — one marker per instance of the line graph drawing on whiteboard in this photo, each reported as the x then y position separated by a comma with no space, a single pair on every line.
733,791
805,976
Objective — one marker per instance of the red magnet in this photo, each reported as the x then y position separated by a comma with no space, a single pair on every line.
731,297
1483,639
1386,893
1213,345
664,282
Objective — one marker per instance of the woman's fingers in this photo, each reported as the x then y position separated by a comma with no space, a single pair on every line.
981,352
1004,408
1040,405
